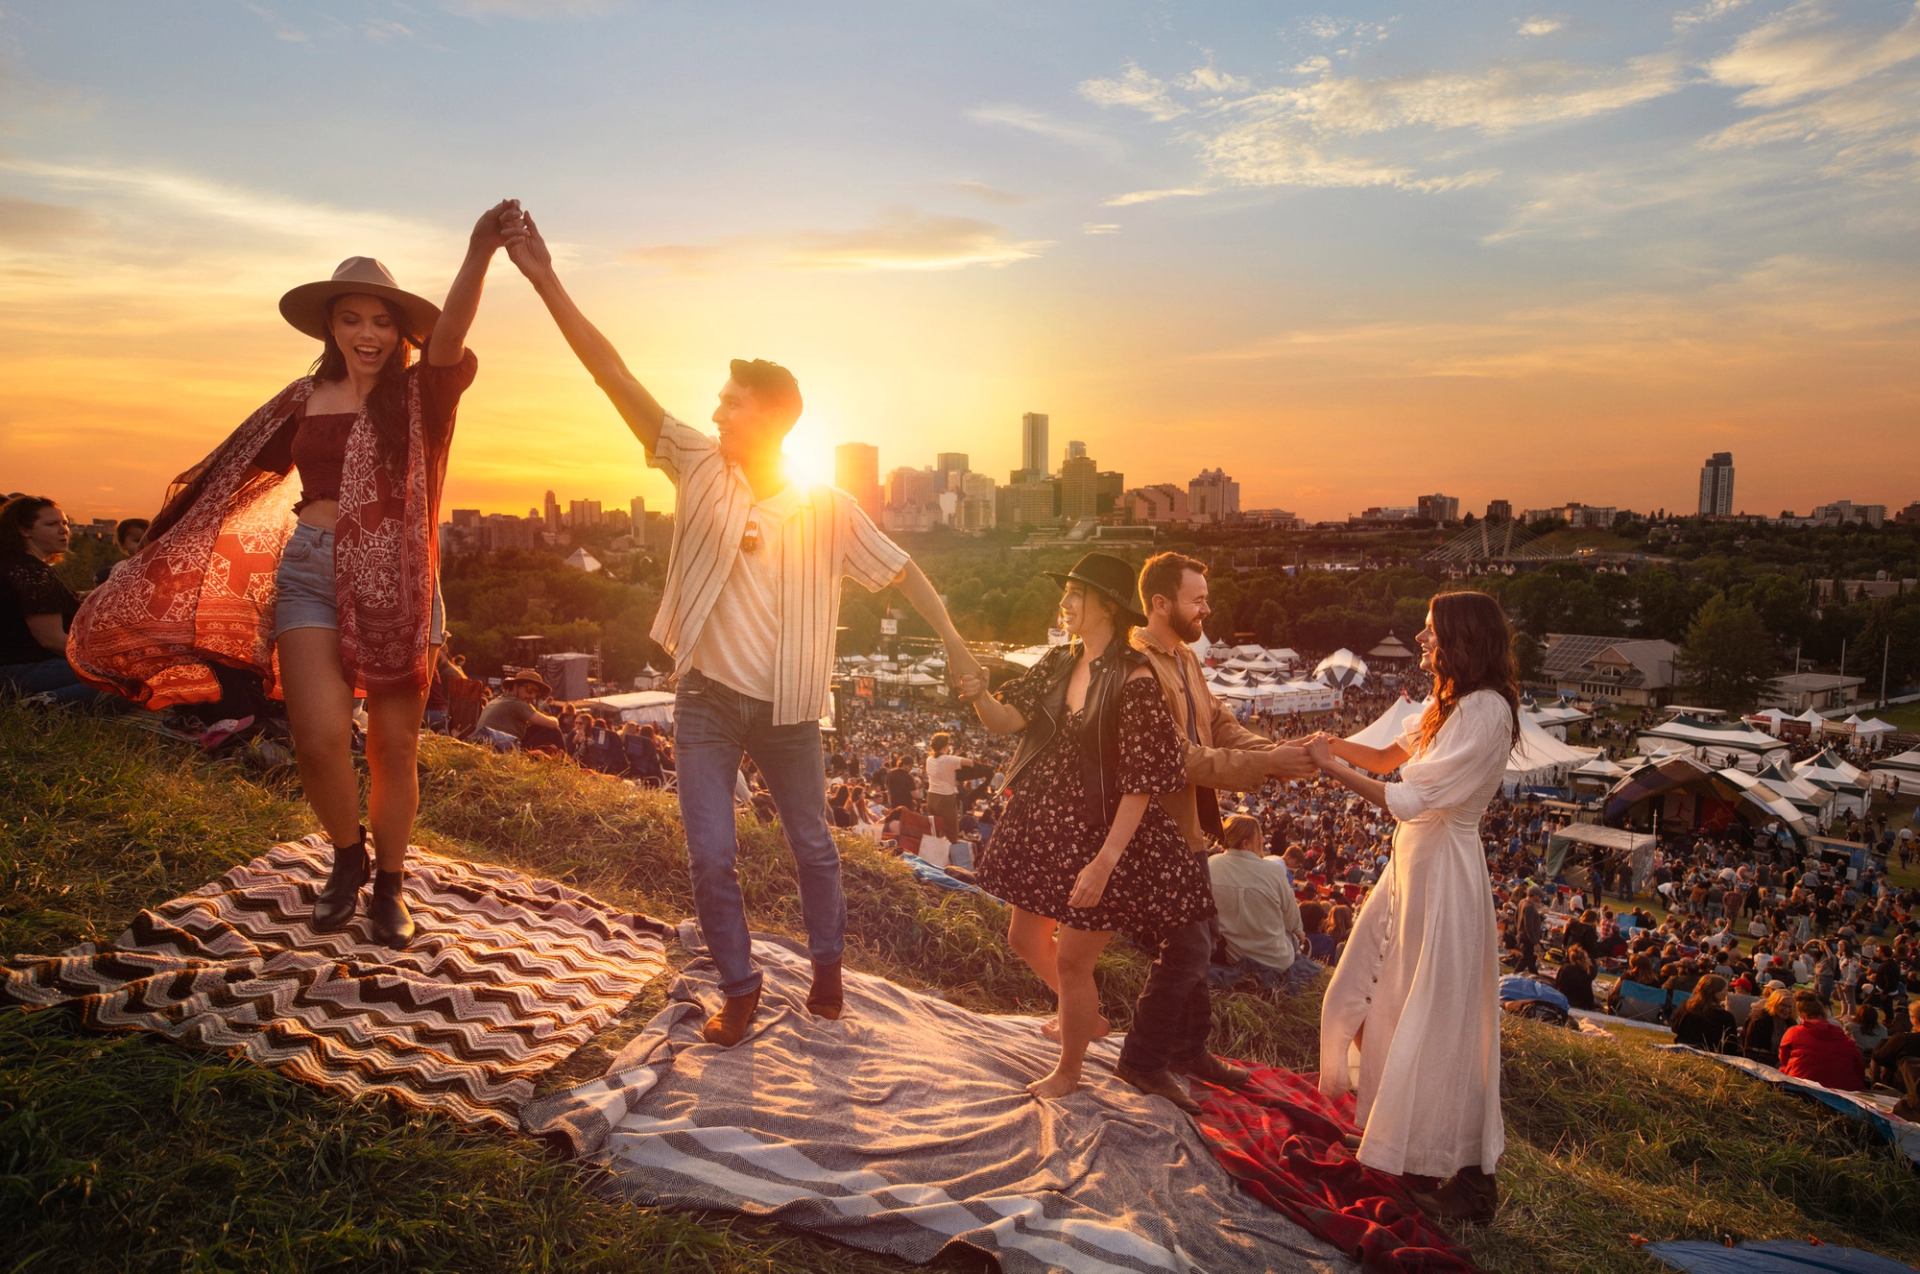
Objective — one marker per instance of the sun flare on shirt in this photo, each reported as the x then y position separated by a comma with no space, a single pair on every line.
807,457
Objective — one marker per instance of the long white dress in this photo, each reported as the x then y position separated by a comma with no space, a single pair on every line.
1421,968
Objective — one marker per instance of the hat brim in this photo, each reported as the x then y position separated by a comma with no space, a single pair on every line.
305,307
542,686
1127,608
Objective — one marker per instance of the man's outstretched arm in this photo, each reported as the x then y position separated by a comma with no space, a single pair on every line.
636,406
919,592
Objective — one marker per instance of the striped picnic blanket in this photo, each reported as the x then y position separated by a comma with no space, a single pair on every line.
508,976
905,1128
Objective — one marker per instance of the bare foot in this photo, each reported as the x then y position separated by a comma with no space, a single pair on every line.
1054,1086
1051,1028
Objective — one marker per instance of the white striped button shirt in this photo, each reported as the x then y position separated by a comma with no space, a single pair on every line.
831,538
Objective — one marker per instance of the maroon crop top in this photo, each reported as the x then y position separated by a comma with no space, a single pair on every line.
320,453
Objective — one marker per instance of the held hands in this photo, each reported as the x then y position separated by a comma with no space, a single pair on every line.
1091,884
969,680
488,234
523,240
1320,750
1290,761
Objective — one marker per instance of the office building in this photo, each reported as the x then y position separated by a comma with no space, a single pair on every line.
856,470
1079,486
553,514
1439,508
949,467
1499,510
1033,445
1212,496
1716,485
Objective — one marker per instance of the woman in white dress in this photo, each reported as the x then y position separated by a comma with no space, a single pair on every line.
1416,991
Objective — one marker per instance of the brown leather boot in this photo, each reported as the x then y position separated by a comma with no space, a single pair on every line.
1212,1070
729,1026
1158,1084
339,898
826,998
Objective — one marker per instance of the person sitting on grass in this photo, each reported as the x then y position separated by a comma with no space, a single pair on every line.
1704,1022
1259,917
1766,1024
1575,979
1819,1050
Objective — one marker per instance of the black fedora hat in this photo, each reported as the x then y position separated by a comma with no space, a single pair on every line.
1108,575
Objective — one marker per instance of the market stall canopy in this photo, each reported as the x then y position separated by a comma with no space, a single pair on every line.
1391,648
1343,668
642,707
1638,846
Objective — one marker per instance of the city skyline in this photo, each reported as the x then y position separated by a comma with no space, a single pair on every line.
1353,256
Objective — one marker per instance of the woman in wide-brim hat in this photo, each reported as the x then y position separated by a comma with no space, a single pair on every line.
1083,850
326,595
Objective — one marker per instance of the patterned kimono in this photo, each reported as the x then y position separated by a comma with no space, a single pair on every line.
201,590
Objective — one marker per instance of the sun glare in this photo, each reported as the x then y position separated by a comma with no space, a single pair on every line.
807,459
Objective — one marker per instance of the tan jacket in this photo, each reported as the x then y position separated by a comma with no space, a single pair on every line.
1226,753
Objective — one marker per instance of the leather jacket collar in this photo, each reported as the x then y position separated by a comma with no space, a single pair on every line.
1099,722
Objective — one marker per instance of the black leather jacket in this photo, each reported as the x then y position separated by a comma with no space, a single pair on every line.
1100,773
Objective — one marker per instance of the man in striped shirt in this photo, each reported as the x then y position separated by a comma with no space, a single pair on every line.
748,616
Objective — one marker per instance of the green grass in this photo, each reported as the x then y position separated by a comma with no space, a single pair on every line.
1906,716
124,1152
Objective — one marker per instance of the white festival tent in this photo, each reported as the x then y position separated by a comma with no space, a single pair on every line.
1812,720
1200,646
1871,733
1387,726
1539,758
1765,793
642,707
1772,718
1749,747
1902,771
1831,772
1598,771
1344,669
1555,720
1817,801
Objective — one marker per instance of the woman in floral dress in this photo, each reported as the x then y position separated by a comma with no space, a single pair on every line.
1084,851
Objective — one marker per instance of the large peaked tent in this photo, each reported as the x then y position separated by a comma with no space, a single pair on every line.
1387,726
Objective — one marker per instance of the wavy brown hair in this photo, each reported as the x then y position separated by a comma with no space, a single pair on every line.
1475,652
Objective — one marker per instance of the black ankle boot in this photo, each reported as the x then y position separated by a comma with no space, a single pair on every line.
352,864
391,922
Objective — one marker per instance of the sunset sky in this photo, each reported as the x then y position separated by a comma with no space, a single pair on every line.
1351,254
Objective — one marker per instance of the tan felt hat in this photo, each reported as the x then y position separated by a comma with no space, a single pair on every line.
306,306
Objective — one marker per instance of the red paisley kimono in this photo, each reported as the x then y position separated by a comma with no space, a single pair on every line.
201,589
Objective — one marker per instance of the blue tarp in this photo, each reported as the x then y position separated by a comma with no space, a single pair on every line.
1772,1256
927,874
1515,986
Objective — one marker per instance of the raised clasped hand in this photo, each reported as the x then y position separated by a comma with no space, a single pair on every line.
522,237
489,233
970,685
1320,751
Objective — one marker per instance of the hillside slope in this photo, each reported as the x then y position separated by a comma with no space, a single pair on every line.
126,1153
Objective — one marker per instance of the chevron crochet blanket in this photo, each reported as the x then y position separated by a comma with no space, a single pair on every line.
509,975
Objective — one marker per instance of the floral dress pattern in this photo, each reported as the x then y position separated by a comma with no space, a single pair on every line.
1047,834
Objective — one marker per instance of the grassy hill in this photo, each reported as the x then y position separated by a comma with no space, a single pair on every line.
124,1152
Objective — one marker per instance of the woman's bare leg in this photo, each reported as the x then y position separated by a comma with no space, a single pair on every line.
1076,951
320,713
393,747
1032,938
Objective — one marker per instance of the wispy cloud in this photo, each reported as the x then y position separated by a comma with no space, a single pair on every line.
1100,227
1133,197
1809,49
988,193
1301,134
1134,87
1540,26
1043,125
903,239
1711,11
529,9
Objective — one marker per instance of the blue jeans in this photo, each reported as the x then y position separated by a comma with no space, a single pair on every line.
54,677
714,726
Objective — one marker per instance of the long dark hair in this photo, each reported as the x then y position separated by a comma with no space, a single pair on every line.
387,403
1474,652
17,517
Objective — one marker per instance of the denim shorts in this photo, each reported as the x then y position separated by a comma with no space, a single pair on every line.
303,587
